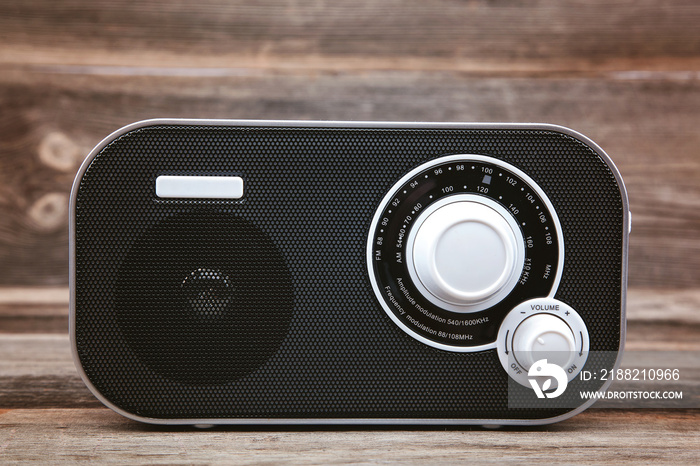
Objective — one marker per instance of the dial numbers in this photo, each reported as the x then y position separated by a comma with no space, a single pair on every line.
487,178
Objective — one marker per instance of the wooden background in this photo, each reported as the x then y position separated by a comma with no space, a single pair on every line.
625,73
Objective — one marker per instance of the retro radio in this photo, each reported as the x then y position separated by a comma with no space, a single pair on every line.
240,272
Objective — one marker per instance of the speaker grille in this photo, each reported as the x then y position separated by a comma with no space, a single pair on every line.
166,296
204,298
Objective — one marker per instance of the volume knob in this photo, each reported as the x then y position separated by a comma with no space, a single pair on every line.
542,329
466,252
544,336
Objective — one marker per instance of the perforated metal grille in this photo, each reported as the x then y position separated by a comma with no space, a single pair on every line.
330,350
204,297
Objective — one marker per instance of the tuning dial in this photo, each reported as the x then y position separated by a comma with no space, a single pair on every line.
466,252
456,243
542,328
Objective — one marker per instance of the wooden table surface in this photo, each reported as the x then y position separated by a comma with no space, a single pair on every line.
626,74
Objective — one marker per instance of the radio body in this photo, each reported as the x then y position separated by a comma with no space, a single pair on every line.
244,272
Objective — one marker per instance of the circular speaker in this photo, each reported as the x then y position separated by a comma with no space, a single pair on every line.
204,297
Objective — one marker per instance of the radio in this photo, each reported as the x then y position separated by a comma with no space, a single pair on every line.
246,272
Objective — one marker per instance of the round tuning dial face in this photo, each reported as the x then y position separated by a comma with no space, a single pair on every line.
456,244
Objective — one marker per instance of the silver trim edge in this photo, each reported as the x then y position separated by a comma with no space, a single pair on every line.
343,124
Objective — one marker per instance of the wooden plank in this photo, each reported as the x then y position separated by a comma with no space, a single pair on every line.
46,392
360,34
99,435
654,305
33,320
38,355
662,336
34,309
33,296
647,124
38,372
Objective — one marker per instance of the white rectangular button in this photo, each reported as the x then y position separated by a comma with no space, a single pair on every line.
200,187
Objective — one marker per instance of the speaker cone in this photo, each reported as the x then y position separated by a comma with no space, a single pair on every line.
204,297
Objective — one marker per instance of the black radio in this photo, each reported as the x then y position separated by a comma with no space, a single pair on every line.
241,272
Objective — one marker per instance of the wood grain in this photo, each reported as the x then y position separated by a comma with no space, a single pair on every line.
647,124
99,435
361,34
625,73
